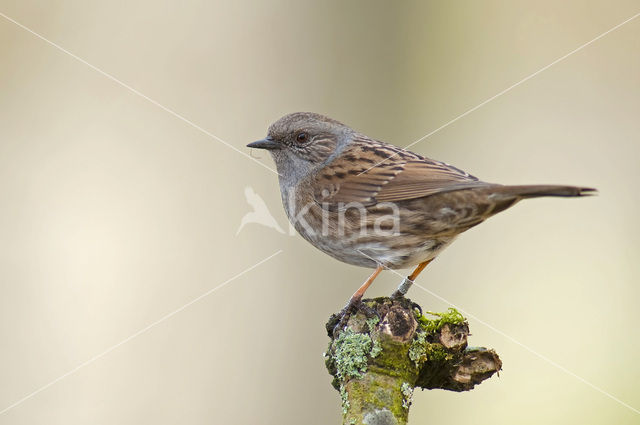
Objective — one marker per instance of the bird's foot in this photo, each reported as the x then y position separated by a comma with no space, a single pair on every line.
342,318
400,294
415,306
338,321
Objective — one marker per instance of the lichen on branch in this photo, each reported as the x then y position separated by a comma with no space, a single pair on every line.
388,348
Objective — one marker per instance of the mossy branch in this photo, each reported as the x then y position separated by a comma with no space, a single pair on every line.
388,348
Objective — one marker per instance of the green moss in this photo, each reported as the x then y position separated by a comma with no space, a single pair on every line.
381,391
421,350
437,353
451,316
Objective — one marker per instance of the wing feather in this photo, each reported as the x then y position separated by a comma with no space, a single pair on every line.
403,175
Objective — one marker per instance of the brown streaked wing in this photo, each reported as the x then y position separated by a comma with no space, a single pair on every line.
424,178
401,177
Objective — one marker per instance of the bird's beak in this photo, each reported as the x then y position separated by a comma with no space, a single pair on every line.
266,143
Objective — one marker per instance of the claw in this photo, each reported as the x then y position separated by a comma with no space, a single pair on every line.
416,306
343,317
368,311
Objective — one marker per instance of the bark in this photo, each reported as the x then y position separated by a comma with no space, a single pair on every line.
388,348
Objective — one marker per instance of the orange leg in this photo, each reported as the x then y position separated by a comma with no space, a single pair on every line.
355,299
408,281
419,269
357,296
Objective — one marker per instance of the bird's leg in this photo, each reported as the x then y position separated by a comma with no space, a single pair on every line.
356,298
408,281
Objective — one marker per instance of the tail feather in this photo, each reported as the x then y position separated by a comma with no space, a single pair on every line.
534,191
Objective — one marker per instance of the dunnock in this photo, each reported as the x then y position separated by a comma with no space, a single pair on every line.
375,205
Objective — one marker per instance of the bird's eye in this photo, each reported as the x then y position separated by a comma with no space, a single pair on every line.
302,137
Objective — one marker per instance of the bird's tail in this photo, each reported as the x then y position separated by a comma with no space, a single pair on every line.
534,191
504,197
495,198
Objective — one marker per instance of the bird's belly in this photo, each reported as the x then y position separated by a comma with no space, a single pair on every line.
399,253
354,244
394,252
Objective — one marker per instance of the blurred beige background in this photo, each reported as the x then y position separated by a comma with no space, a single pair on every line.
114,213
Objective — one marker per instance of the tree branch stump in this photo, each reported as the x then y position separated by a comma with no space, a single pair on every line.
388,348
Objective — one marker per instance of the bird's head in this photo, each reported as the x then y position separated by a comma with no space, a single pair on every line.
302,142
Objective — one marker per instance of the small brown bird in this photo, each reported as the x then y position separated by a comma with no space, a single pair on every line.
375,205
